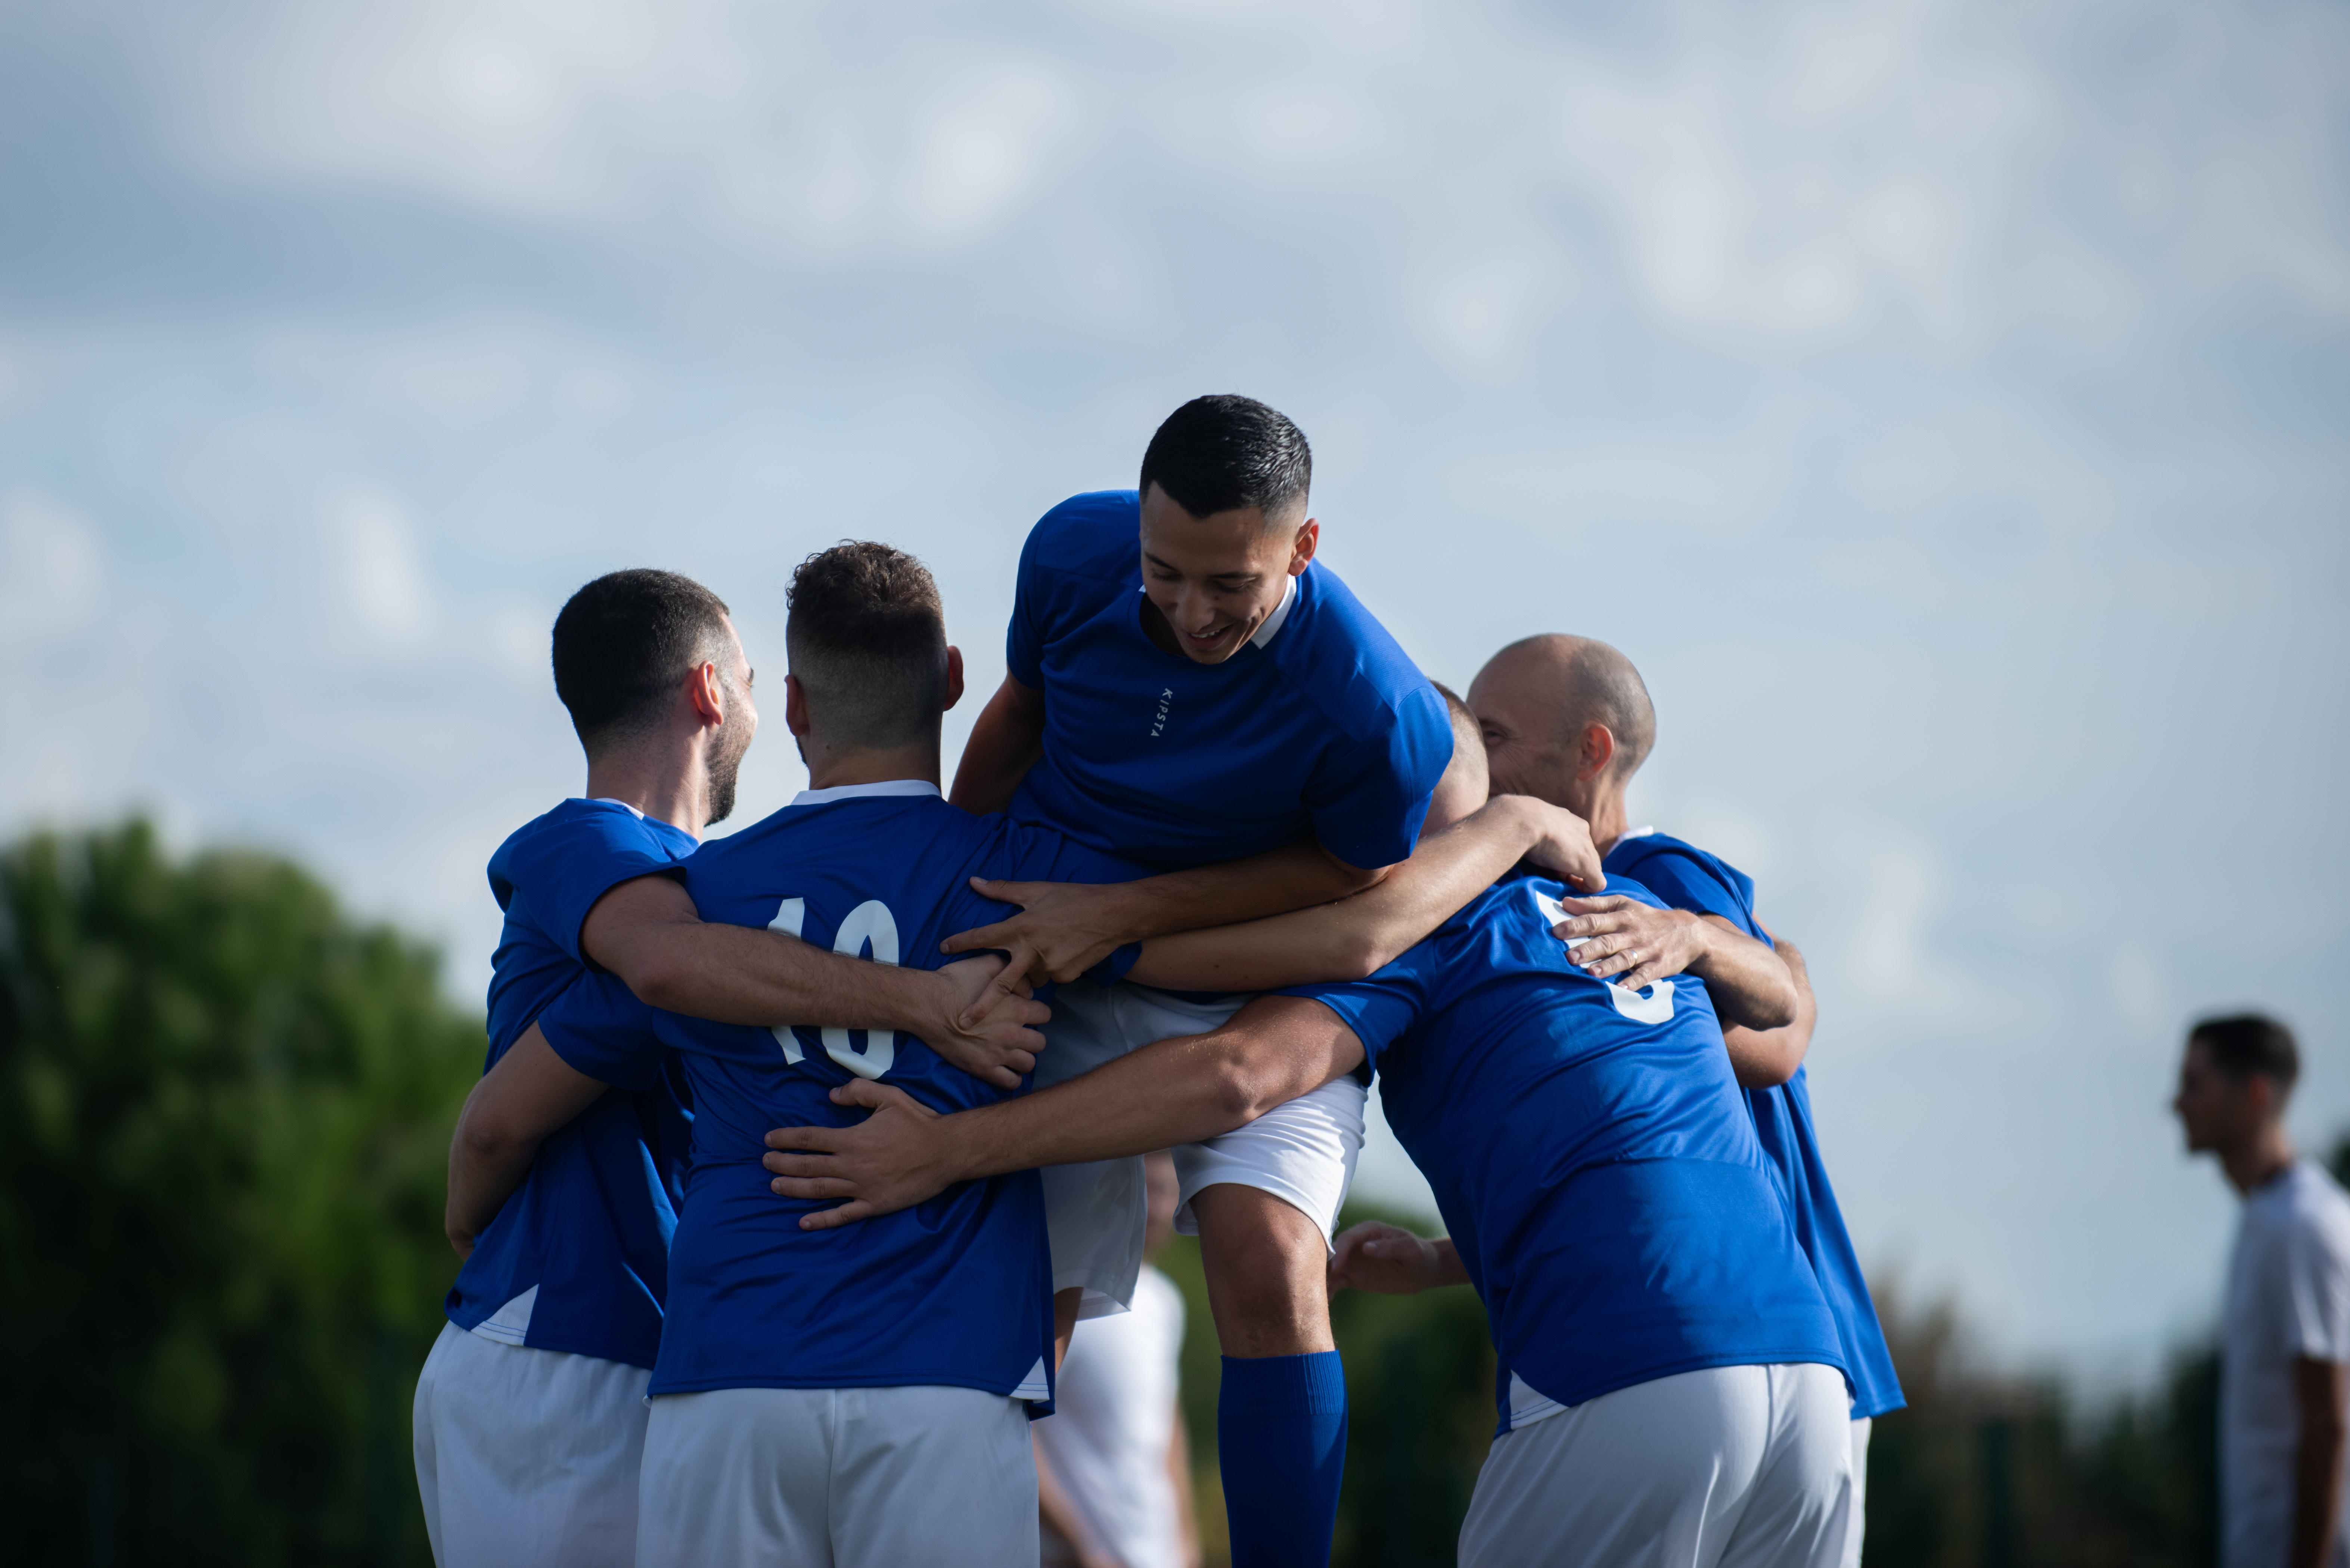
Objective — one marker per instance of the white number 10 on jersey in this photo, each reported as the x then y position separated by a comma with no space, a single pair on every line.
870,925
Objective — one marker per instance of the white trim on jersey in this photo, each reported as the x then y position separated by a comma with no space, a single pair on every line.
887,788
1272,623
510,1324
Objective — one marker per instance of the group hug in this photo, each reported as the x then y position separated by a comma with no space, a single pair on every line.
802,1153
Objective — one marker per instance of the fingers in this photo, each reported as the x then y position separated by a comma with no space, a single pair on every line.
981,938
1011,983
806,1140
817,1186
873,1097
834,1219
805,1167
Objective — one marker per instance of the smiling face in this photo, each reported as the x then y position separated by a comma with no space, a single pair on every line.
1214,579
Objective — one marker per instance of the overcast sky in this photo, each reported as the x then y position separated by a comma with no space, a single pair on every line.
1944,404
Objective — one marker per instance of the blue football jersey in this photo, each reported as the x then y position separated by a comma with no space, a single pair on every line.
1591,1156
1321,724
577,1259
1687,877
955,1291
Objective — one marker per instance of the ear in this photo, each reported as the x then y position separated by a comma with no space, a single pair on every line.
1301,549
1596,751
795,713
704,695
954,678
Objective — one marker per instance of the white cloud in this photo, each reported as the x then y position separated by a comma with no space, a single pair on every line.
382,581
52,565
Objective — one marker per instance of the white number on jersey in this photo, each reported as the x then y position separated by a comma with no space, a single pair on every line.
1654,1008
870,925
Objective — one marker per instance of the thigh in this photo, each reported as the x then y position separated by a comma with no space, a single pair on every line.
1803,1493
738,1476
1094,1212
1653,1476
934,1477
533,1454
1303,1152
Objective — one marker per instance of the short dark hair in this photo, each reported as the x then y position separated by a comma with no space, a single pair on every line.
2245,1044
622,644
1224,452
868,643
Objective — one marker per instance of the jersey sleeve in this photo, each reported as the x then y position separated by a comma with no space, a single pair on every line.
2314,1300
1381,1008
558,875
599,1028
1066,568
1369,803
1684,882
1042,855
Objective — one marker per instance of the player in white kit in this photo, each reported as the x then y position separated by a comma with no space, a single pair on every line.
2285,1345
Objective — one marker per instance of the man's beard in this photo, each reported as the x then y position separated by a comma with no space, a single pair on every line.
723,767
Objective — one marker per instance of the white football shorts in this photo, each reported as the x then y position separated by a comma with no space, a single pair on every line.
1732,1467
1303,1152
1858,1522
921,1476
527,1459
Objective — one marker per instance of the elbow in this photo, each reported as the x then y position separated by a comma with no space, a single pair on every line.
658,979
1234,1096
485,1136
1362,954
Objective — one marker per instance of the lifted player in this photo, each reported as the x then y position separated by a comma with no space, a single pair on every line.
1569,719
1187,686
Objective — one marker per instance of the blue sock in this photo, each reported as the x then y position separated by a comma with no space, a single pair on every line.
1280,1441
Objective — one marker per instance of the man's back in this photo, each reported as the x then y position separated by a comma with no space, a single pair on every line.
1321,725
1687,878
1593,1160
2288,1299
952,1291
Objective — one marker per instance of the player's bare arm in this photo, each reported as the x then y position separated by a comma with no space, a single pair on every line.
519,1104
1232,911
1633,944
1006,742
1176,1091
1391,1261
1350,937
1766,1058
2319,1388
648,934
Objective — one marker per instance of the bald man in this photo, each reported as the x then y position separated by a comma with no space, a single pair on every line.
1568,719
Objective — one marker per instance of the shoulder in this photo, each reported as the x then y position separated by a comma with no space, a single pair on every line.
2314,1207
1347,663
1677,871
590,826
1094,536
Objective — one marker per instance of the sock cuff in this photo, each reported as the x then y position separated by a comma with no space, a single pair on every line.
1278,1386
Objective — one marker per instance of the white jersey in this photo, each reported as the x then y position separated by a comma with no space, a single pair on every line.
2288,1298
1114,1419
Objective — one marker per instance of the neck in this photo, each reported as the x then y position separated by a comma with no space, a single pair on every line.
1607,819
829,769
2258,1161
662,779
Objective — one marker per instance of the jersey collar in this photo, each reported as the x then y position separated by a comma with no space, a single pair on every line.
887,789
1273,622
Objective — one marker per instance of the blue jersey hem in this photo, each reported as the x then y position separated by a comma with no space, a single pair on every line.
879,1380
590,1348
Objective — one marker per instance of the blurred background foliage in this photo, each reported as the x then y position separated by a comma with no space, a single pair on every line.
225,1112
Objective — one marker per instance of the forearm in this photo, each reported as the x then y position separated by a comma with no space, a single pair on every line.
2317,1463
1176,1091
1449,1270
1350,937
1752,986
1766,1058
1293,877
733,974
485,1167
1006,741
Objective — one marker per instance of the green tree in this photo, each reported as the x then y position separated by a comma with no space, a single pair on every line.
224,1113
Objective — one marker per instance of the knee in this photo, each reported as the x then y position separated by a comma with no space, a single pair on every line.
1266,1264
